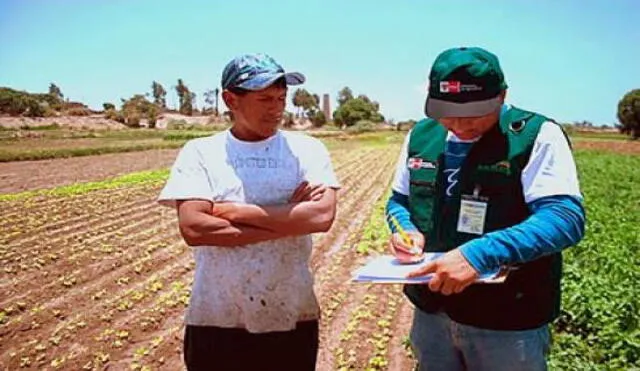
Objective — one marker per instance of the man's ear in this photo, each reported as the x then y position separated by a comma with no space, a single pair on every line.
230,99
503,95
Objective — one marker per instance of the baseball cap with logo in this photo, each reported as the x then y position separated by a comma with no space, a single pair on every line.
464,82
256,72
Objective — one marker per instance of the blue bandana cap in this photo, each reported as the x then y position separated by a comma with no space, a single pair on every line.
256,72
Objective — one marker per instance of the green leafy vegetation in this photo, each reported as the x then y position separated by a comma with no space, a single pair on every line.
143,177
599,324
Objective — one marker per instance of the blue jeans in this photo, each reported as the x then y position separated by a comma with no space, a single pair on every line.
442,344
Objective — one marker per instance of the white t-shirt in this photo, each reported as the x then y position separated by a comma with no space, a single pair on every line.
265,286
551,169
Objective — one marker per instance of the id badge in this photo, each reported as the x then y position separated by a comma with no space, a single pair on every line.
473,211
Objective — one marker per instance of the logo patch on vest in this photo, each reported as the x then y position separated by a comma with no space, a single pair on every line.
419,163
502,167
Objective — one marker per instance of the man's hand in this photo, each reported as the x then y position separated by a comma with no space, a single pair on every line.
224,210
452,273
307,192
406,253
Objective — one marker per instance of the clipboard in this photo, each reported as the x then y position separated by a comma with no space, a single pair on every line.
387,269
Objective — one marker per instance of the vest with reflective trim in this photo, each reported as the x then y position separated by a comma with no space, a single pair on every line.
530,296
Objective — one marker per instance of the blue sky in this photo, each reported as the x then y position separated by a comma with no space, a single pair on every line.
571,60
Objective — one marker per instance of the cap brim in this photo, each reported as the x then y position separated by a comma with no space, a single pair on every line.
437,109
265,80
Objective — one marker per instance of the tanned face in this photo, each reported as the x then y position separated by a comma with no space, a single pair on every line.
472,127
257,114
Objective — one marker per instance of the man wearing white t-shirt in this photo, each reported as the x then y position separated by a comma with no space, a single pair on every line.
248,200
490,186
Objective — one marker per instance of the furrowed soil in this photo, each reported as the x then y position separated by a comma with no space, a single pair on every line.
100,280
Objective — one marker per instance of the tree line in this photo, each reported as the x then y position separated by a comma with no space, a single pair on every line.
350,111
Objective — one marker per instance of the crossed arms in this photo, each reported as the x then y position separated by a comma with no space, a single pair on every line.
310,209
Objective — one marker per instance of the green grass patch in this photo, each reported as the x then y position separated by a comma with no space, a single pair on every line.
44,154
138,178
599,136
185,135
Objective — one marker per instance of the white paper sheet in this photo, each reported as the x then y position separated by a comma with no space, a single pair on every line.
387,269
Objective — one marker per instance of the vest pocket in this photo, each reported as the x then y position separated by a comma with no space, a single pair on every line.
422,190
427,185
422,177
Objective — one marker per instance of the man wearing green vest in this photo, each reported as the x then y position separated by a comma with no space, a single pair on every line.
490,186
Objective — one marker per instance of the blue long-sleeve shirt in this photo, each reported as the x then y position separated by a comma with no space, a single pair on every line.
556,222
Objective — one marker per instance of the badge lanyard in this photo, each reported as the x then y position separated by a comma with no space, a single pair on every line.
473,211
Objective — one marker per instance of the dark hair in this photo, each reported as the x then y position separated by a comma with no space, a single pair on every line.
281,82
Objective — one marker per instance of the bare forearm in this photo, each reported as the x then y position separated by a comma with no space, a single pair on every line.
208,230
297,218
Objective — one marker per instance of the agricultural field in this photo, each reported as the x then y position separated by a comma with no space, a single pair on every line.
51,142
94,274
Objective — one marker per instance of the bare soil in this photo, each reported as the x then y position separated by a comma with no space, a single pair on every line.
101,280
30,175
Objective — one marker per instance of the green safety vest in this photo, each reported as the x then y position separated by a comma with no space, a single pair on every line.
530,296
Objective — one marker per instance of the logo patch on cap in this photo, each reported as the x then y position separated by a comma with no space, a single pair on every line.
454,87
449,86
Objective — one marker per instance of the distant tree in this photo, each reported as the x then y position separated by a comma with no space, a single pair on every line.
306,103
55,91
16,102
217,95
153,111
288,120
108,106
192,97
211,100
138,107
159,95
298,99
583,124
357,109
35,108
12,102
344,95
185,97
629,113
318,119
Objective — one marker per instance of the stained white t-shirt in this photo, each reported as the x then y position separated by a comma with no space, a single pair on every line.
551,169
265,286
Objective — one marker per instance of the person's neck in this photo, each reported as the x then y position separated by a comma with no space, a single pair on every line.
245,135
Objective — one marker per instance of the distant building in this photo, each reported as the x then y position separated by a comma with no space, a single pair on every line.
326,107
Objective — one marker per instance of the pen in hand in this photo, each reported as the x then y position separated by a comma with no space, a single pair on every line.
406,238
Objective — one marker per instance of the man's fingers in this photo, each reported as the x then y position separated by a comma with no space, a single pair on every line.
436,283
296,193
448,287
458,289
317,193
306,192
296,196
428,268
392,249
402,256
400,245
